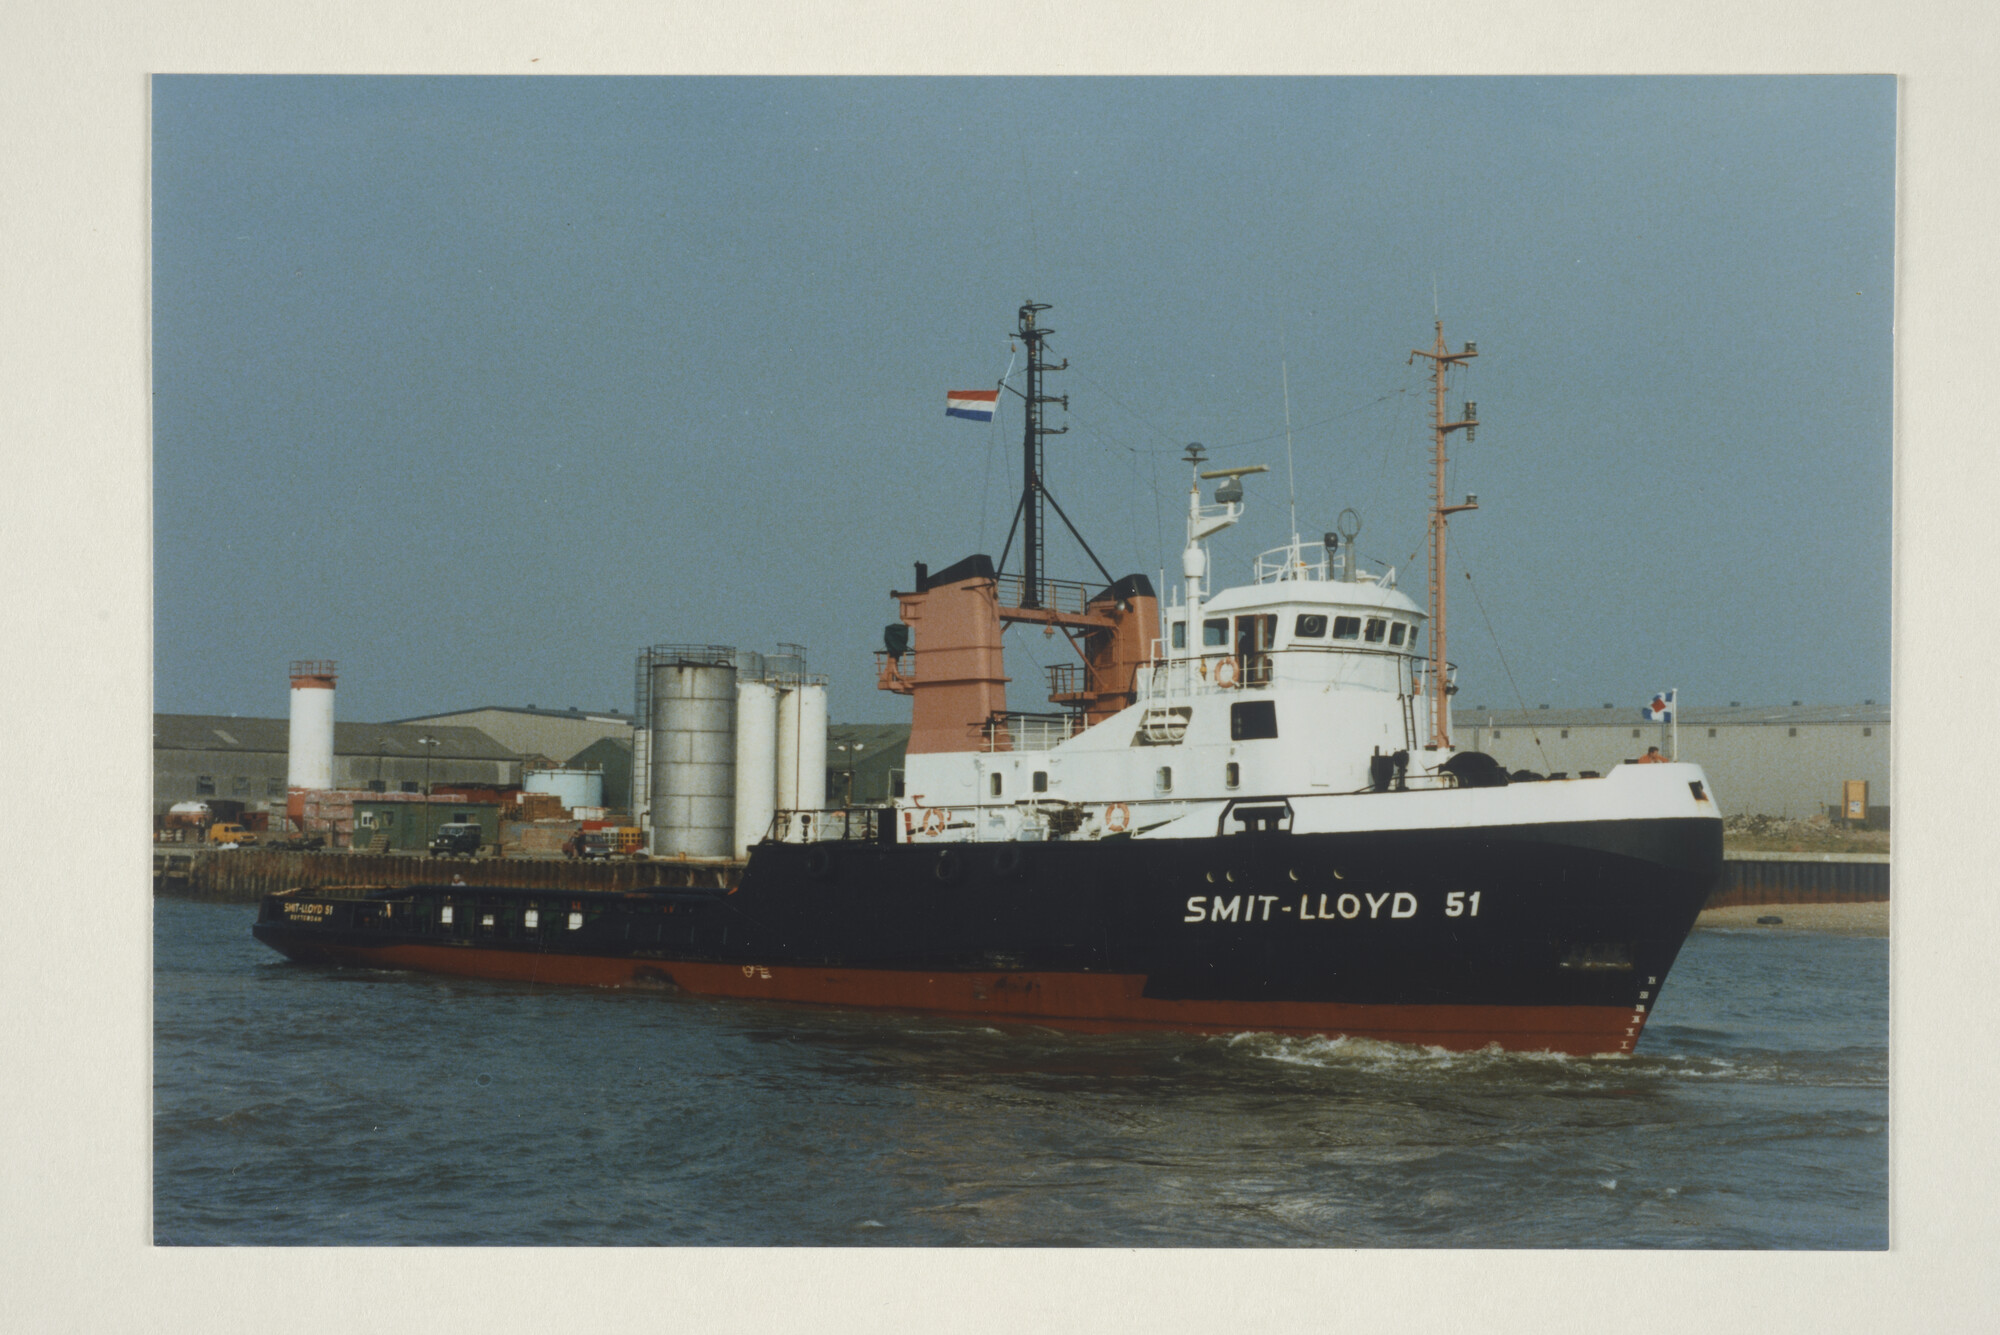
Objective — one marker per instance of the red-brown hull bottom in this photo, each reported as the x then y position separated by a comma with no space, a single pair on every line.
1087,1002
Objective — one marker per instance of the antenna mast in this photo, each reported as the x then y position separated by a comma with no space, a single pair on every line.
1031,451
1440,514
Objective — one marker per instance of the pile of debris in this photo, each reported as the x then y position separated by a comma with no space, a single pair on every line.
1811,834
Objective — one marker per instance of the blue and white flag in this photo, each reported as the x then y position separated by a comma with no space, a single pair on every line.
975,405
1661,710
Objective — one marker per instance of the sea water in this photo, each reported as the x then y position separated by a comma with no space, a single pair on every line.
329,1106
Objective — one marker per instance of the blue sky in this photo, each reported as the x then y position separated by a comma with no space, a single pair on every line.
480,385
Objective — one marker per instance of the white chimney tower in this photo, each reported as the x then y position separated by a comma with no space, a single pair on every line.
310,764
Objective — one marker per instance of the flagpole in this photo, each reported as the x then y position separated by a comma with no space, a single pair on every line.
1674,722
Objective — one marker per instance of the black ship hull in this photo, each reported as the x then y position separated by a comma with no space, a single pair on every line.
1530,937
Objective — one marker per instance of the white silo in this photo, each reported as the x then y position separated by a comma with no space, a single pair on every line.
787,787
310,761
811,781
572,787
756,761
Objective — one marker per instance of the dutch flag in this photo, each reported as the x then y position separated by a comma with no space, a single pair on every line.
1661,710
975,405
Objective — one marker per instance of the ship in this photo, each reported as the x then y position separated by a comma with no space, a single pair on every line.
1245,812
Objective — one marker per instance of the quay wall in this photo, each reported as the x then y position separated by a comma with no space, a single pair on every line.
1801,878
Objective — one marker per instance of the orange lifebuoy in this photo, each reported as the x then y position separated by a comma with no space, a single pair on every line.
1225,673
1116,817
934,820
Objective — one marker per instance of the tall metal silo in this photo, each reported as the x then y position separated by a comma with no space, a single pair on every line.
692,754
756,761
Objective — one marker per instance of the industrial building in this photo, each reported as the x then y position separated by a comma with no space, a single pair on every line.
201,757
1762,760
539,736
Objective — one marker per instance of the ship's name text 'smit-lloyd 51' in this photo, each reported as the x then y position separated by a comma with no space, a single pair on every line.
1259,908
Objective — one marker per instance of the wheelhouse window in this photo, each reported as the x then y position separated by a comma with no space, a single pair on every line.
1232,775
1215,633
993,784
1253,720
1378,630
1347,628
1163,782
1179,630
1041,781
1310,626
1396,633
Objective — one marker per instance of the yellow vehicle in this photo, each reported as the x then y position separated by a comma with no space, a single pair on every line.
225,832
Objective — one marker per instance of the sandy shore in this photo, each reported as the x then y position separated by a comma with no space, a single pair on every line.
1870,919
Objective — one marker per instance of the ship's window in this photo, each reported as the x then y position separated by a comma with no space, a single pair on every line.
1163,782
1865,732
1711,732
1396,633
409,785
1215,633
575,921
895,783
377,786
531,919
444,915
1635,732
995,784
1253,720
1309,626
204,785
1041,781
1347,628
1180,634
1792,732
1231,775
1565,734
485,920
1378,630
1496,734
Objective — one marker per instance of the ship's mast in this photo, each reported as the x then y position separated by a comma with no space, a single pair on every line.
1440,514
1031,452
